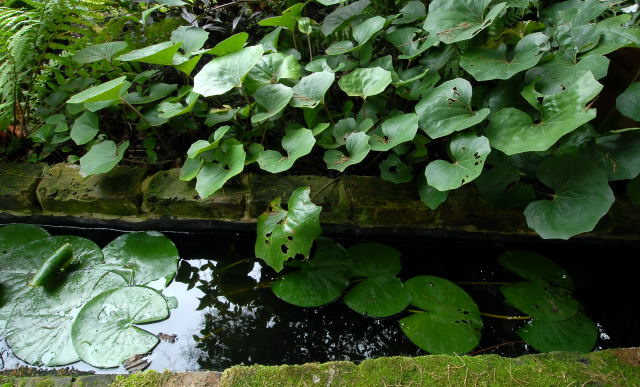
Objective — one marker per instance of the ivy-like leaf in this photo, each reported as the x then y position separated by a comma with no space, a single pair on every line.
230,45
98,52
271,99
455,21
161,53
628,103
102,157
358,148
394,131
532,266
107,91
362,32
618,154
84,128
192,38
296,143
393,169
365,82
229,161
430,196
271,69
284,234
469,153
310,91
560,74
226,72
337,19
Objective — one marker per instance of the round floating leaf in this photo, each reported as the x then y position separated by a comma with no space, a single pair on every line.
296,143
271,69
380,296
532,266
447,109
582,196
84,128
107,91
541,300
230,45
15,235
451,323
514,131
150,255
284,234
98,52
271,99
161,53
103,333
102,157
319,281
618,154
212,176
393,169
358,148
577,334
394,131
454,21
192,38
628,103
39,329
469,153
224,73
486,64
374,259
365,82
310,91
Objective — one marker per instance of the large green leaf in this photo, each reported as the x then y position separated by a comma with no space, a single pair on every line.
582,196
486,64
271,99
102,157
288,19
374,259
412,11
282,235
501,187
559,73
357,147
320,280
98,52
224,73
156,92
229,45
362,32
577,334
161,53
192,38
618,154
430,196
15,235
150,255
451,322
310,91
447,109
532,266
84,128
454,21
365,82
393,169
271,69
514,131
469,153
379,296
541,300
229,162
628,103
104,334
107,91
615,32
408,42
341,15
39,329
296,143
394,131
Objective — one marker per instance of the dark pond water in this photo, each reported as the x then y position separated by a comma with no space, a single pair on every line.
226,317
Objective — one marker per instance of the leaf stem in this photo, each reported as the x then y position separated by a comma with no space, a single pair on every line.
503,317
135,110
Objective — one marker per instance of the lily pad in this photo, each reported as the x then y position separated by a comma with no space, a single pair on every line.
15,235
374,259
582,196
151,255
455,21
319,281
271,99
541,300
224,73
103,334
39,329
282,235
447,109
296,143
358,148
532,266
379,296
365,82
577,334
310,91
469,153
394,131
451,322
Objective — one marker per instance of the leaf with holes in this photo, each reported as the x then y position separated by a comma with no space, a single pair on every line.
357,145
104,334
532,266
577,334
447,109
450,322
469,153
224,73
102,157
271,69
486,64
320,280
541,300
393,169
582,196
229,162
409,42
513,131
365,82
271,99
282,235
455,21
161,53
394,131
297,143
310,91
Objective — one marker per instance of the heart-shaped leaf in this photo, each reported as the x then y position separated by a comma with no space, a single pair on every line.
224,73
102,157
486,64
379,296
296,143
362,32
532,266
559,73
288,19
104,334
229,162
582,196
161,53
284,234
393,169
157,91
618,154
469,153
192,38
150,255
394,131
514,131
15,235
430,196
412,11
230,45
271,69
310,91
409,41
320,280
628,103
365,82
337,19
541,300
84,128
358,148
98,52
577,334
107,91
447,109
374,259
455,21
271,99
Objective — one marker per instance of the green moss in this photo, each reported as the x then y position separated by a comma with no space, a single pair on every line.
45,382
143,379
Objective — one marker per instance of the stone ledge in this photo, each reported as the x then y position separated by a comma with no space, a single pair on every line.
18,184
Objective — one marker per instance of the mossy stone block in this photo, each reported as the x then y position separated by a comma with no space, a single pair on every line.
165,194
63,190
324,192
101,380
18,184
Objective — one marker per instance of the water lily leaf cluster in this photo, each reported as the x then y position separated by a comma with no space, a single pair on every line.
64,299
